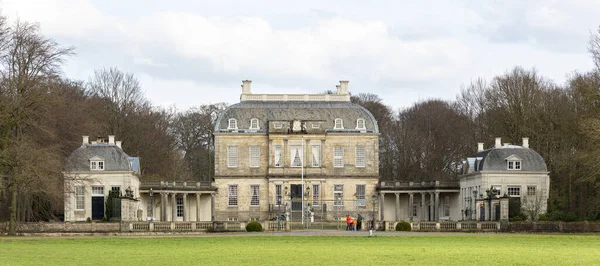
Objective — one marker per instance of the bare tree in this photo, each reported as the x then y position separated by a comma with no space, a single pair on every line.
193,130
594,47
436,141
533,206
29,61
122,92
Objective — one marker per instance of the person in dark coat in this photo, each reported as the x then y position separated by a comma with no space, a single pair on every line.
359,222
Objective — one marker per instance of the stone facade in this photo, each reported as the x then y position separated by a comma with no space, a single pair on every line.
512,171
93,170
289,151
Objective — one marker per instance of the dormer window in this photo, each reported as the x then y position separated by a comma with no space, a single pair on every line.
96,164
514,165
254,123
360,123
339,124
277,125
232,124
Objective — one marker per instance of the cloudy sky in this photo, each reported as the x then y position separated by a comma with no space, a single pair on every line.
188,52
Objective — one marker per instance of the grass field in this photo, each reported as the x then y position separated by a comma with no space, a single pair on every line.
480,249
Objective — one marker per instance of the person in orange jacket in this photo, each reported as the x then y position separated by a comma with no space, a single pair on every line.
348,222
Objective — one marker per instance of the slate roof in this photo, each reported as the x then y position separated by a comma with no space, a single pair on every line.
291,110
115,159
494,159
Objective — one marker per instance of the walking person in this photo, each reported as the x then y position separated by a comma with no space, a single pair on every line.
348,222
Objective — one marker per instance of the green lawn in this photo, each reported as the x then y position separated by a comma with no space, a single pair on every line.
479,249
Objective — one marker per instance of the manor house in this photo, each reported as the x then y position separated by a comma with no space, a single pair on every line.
301,156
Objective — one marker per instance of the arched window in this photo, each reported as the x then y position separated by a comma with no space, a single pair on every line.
339,124
360,123
254,123
232,124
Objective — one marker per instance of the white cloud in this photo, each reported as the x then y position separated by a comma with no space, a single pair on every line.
402,51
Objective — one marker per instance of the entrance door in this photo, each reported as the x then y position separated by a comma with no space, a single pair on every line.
482,213
497,218
429,213
296,193
97,208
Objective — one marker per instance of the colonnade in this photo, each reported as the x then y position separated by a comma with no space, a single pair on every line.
422,215
164,200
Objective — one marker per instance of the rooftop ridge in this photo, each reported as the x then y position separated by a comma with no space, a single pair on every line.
295,97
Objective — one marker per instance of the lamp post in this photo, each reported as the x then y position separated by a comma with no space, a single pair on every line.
373,200
474,199
151,213
355,205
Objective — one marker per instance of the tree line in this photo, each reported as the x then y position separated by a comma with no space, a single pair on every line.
428,140
43,115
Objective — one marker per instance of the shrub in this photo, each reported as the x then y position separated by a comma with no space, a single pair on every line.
561,216
104,219
403,226
88,220
517,218
514,209
254,227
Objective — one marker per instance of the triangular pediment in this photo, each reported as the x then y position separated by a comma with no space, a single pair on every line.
96,158
513,157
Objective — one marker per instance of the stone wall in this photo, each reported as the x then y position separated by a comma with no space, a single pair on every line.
66,227
552,226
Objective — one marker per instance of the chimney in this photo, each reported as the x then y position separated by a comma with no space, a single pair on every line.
337,89
498,143
526,143
86,140
111,139
479,146
118,143
343,87
246,87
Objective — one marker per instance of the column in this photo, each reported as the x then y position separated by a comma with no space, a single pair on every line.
174,206
322,154
437,206
397,206
162,204
270,163
284,153
423,206
305,157
410,206
381,201
431,202
185,207
198,207
212,207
